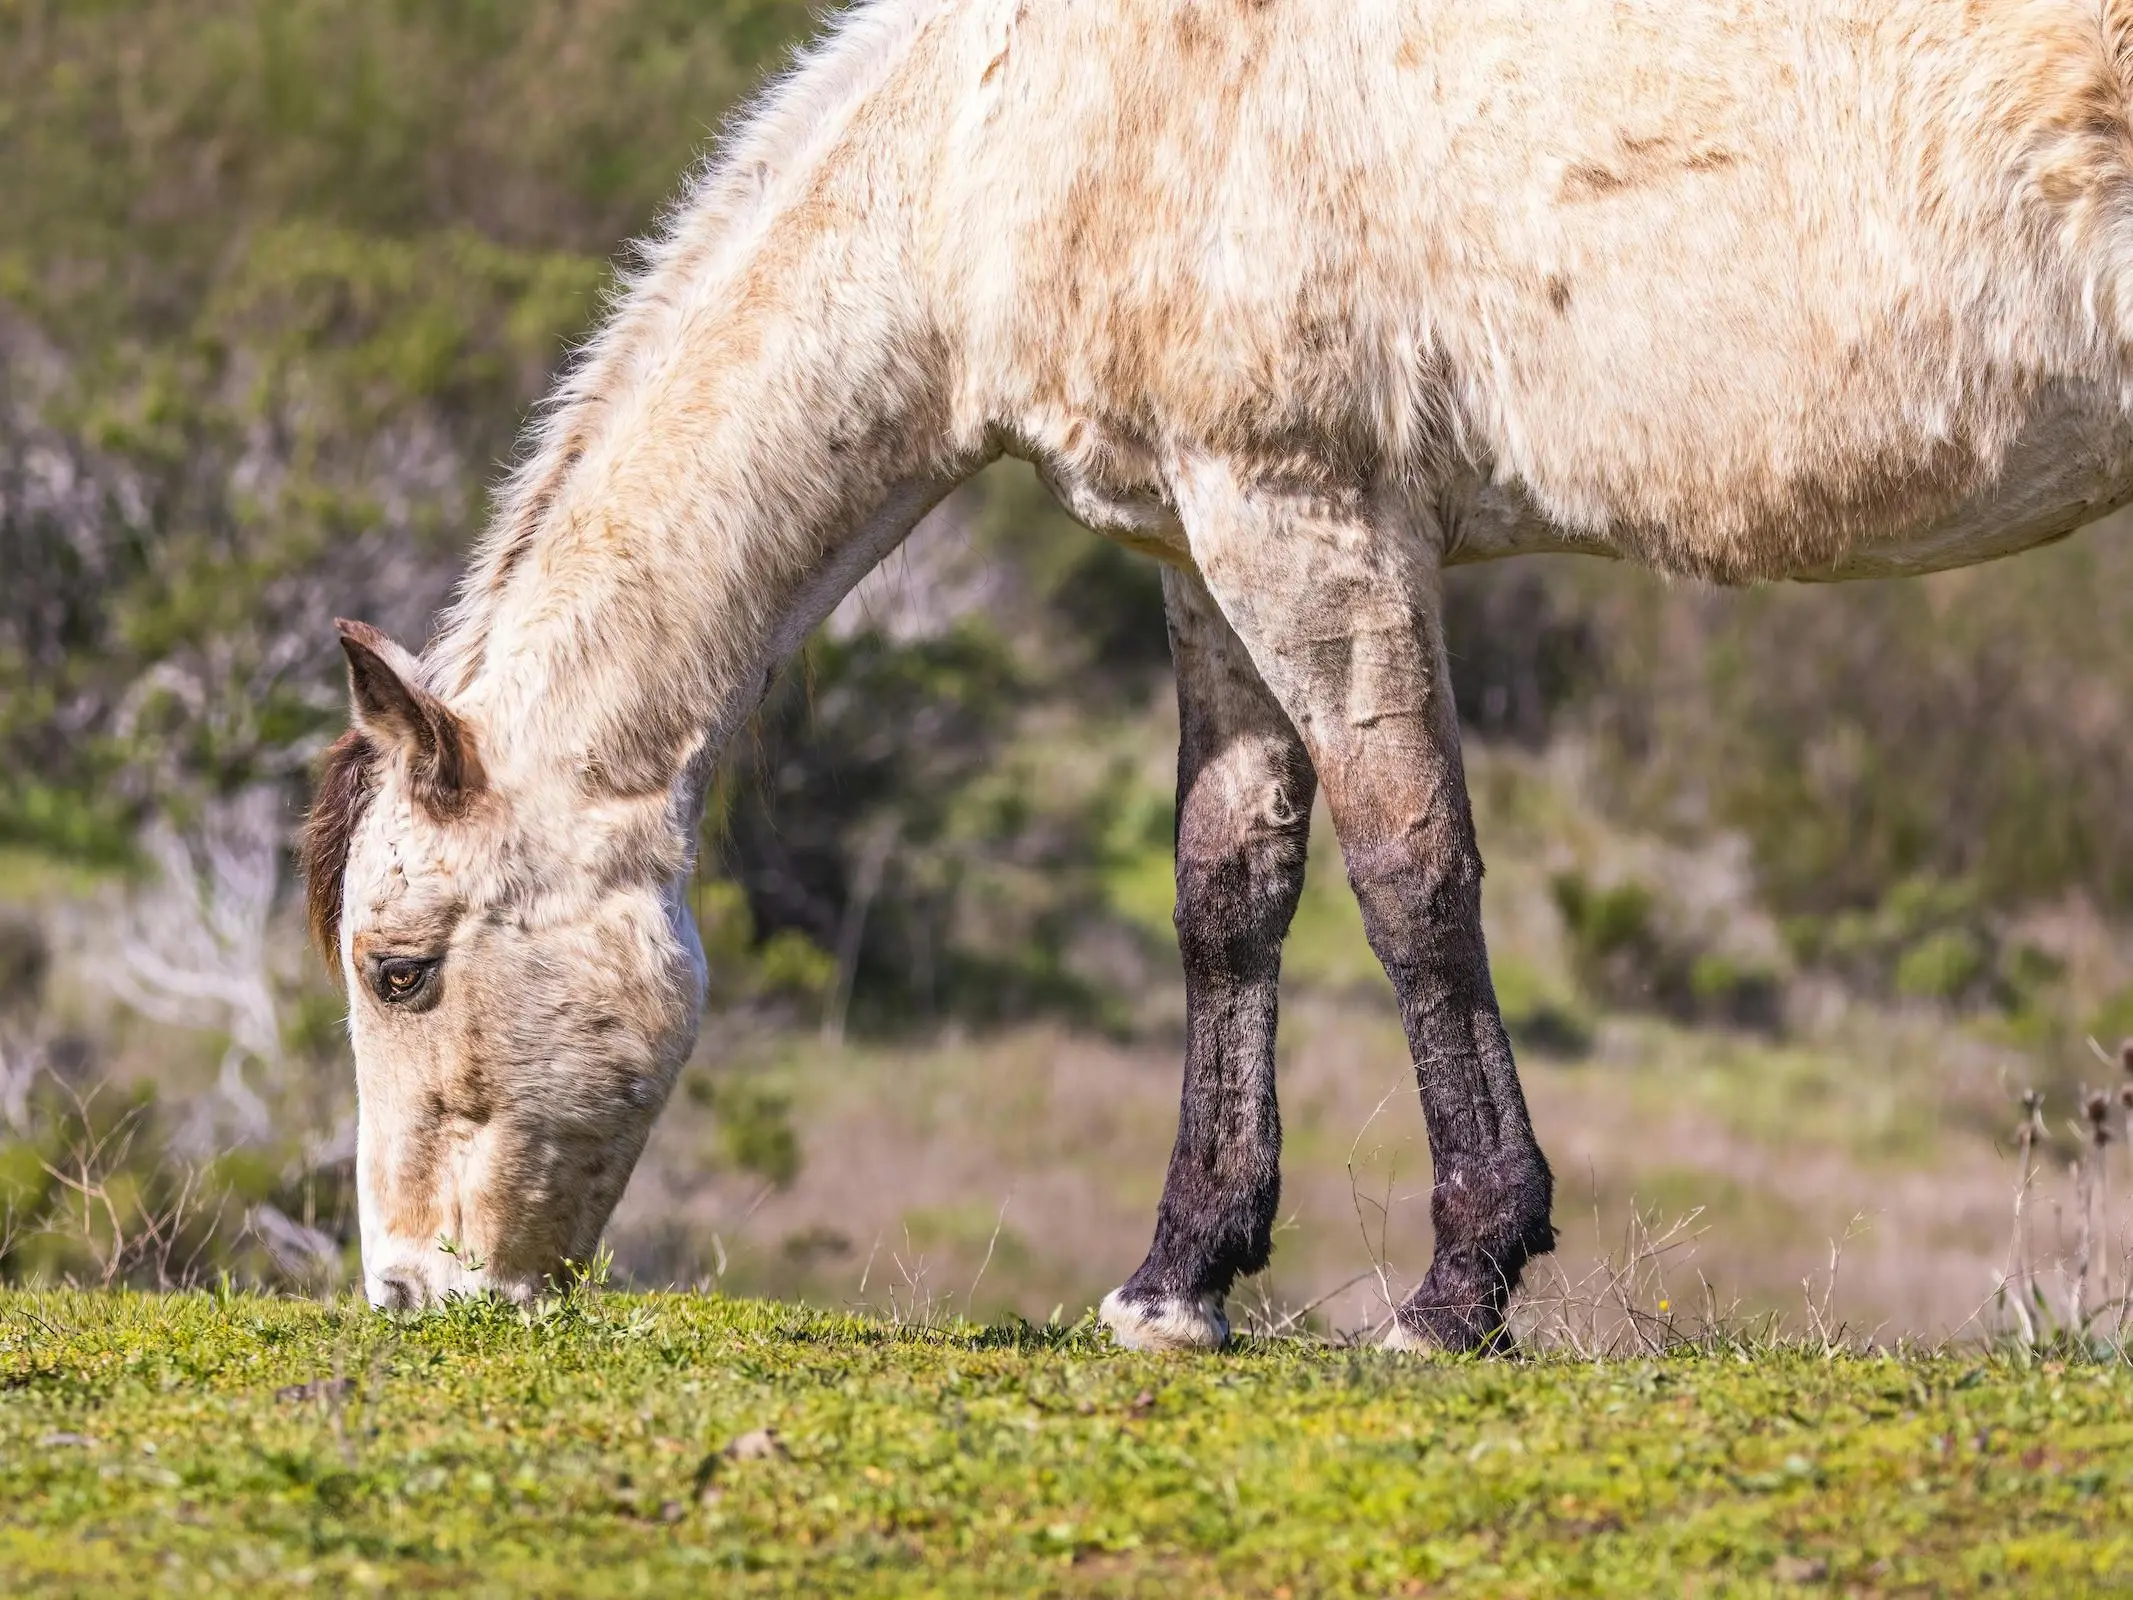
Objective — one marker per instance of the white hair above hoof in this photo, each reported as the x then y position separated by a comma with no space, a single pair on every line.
1172,1323
1401,1337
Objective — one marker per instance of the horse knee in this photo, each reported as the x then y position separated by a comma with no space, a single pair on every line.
1417,889
1233,909
1237,890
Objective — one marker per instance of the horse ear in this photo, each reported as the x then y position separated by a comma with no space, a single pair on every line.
392,709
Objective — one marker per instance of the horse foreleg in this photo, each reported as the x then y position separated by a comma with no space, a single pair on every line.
1335,595
1244,818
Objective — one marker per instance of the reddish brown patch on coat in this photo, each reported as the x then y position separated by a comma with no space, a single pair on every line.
1639,162
347,780
1588,180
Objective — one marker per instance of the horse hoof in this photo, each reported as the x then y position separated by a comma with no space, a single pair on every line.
1171,1323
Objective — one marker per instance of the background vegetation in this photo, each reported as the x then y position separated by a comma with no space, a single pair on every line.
279,280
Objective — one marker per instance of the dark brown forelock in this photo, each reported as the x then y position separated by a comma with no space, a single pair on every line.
346,782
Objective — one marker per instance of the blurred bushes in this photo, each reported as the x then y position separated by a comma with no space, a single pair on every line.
1911,761
97,1187
1968,728
1524,646
754,1125
278,283
936,812
143,136
1927,939
1623,953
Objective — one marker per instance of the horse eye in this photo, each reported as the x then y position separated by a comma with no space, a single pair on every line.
400,979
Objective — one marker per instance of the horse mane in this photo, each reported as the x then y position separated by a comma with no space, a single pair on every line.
767,148
347,780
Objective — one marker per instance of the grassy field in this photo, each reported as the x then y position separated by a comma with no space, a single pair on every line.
616,1444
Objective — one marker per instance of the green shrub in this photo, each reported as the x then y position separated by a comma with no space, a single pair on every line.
1621,954
754,1121
1603,923
1537,1018
1962,728
1942,966
1928,939
792,966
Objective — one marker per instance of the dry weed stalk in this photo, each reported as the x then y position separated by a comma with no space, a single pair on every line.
2018,1289
2094,1306
998,1222
911,1301
2088,1191
1623,1305
124,1233
1380,1267
1266,1320
1834,1336
2125,1128
12,1228
1269,1320
720,1262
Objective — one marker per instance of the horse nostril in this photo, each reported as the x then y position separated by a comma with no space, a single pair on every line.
397,1292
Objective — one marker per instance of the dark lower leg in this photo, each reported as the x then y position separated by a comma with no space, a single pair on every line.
1397,785
1491,1195
1216,1220
1244,803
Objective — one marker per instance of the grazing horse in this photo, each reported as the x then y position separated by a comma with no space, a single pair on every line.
1308,301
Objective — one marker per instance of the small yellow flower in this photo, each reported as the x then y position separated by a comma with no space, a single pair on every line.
1666,1305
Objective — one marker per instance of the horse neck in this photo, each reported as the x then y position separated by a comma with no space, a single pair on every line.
746,440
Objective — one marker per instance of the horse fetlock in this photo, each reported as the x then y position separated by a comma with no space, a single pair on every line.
1460,1303
1459,1306
1491,1218
1214,1227
1495,1210
1164,1322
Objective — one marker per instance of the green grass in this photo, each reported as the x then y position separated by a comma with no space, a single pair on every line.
153,1445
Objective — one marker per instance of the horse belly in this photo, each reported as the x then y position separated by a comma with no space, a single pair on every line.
2066,470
